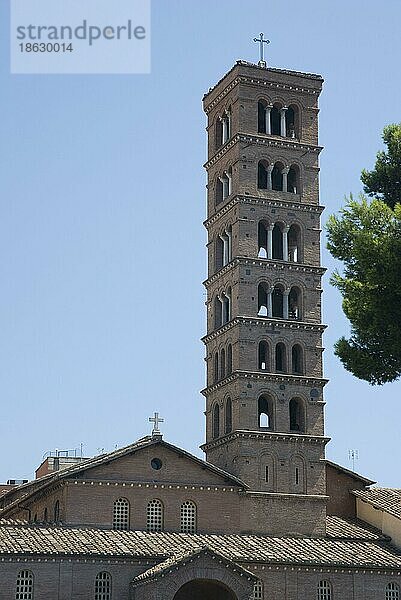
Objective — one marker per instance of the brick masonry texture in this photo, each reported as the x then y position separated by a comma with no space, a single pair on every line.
268,507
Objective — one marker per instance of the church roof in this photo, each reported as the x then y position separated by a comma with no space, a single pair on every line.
21,493
352,474
386,499
348,544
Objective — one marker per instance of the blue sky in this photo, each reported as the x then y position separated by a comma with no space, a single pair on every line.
101,237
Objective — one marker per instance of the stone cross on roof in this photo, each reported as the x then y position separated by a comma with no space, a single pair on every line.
156,420
261,41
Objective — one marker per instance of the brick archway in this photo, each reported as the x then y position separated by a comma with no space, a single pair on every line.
204,589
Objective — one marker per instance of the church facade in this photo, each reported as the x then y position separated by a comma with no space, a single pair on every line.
265,516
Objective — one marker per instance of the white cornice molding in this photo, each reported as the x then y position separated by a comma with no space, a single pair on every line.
278,265
264,322
272,202
263,140
279,378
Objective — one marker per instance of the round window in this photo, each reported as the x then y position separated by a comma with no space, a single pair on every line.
156,463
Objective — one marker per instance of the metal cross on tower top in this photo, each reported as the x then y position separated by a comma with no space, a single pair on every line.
261,40
156,420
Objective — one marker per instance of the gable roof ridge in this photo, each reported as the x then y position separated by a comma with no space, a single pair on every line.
37,485
349,472
181,557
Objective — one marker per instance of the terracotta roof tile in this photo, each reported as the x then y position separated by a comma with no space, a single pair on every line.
358,552
386,499
340,528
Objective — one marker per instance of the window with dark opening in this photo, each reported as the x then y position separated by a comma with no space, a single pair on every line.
278,302
216,421
297,360
263,292
262,240
262,116
229,359
281,358
277,177
275,120
294,303
229,416
265,412
277,242
216,367
297,416
262,175
263,358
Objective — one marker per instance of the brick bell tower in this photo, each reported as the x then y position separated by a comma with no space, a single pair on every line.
264,390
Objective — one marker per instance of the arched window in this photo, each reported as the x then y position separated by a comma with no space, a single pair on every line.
216,367
281,358
219,190
263,245
392,591
226,123
218,312
223,248
258,591
297,360
262,116
25,583
223,186
297,415
229,359
278,301
226,306
222,364
155,516
262,175
293,185
263,293
294,302
324,590
277,177
45,515
219,253
219,133
216,421
56,512
103,586
275,120
188,517
294,244
265,412
277,242
121,514
292,122
228,416
263,356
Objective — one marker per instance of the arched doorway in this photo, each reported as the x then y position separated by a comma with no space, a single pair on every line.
204,589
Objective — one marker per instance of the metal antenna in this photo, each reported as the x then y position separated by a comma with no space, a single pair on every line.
353,455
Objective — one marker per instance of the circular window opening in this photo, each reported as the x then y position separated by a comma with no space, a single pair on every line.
156,463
